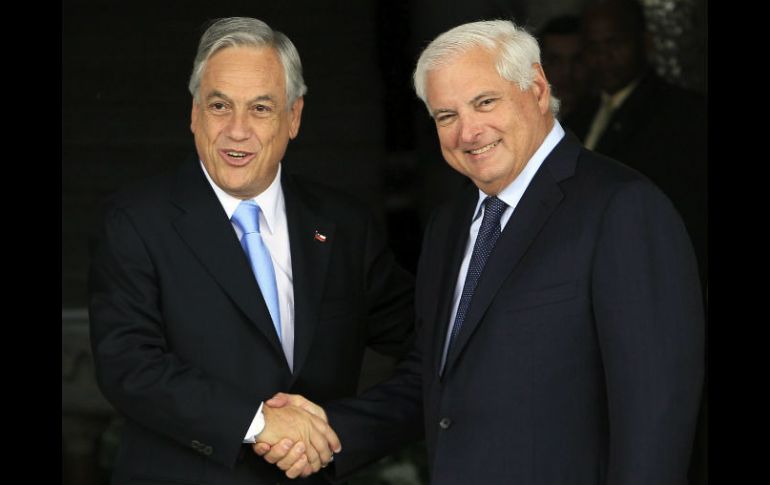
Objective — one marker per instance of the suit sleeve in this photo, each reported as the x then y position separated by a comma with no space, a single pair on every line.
387,416
650,324
382,420
137,370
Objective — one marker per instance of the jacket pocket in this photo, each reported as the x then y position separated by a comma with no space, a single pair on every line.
545,296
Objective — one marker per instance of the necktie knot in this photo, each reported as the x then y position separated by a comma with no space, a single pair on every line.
246,217
493,211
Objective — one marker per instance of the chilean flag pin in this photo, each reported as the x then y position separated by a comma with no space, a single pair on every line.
319,237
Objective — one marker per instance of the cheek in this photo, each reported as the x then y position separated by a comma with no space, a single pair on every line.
212,131
447,138
266,130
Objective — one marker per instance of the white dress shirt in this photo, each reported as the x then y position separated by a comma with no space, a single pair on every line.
511,195
274,230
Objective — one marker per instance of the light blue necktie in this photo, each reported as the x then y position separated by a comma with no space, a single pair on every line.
246,217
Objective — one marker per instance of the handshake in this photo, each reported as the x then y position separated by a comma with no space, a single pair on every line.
297,437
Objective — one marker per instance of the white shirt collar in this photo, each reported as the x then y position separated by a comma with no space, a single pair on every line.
269,201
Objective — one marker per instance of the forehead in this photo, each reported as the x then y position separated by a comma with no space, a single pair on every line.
241,66
463,76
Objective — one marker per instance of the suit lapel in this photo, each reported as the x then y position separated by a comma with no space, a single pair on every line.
532,212
457,238
204,227
310,262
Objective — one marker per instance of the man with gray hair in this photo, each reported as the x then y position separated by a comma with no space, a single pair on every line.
228,280
560,327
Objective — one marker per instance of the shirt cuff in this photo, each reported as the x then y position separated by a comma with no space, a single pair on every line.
257,425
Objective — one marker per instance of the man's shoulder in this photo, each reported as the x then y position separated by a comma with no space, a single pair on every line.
146,194
148,188
607,172
150,196
602,180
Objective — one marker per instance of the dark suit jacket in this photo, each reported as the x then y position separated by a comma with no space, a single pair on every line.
661,130
580,360
183,341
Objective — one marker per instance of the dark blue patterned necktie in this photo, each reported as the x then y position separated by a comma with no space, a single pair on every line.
489,232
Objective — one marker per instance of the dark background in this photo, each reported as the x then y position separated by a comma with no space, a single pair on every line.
126,108
126,115
125,104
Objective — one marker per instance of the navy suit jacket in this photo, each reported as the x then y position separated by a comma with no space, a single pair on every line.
182,339
580,360
661,130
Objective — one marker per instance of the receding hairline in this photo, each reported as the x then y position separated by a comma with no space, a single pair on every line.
451,55
249,32
262,97
246,47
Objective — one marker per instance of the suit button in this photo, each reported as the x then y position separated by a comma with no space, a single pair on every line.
208,450
445,423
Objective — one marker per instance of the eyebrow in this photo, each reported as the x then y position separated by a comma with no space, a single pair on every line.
441,111
473,101
483,95
261,98
264,97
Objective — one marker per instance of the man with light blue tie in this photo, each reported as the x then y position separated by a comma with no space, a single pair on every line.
228,280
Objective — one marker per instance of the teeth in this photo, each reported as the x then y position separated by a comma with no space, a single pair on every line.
236,154
484,148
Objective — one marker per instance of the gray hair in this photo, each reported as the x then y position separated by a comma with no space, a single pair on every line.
246,31
516,51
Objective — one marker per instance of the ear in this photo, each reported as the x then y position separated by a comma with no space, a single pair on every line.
295,116
193,115
541,89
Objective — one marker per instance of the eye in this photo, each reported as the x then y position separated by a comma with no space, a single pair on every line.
261,109
444,119
218,106
486,103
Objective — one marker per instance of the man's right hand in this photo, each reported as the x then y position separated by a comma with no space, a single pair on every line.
312,438
289,454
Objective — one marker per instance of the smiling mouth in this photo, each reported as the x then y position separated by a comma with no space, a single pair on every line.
236,158
236,154
485,148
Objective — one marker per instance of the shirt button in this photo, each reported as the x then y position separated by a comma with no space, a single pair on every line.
445,423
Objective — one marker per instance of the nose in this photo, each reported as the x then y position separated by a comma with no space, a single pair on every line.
238,127
470,129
